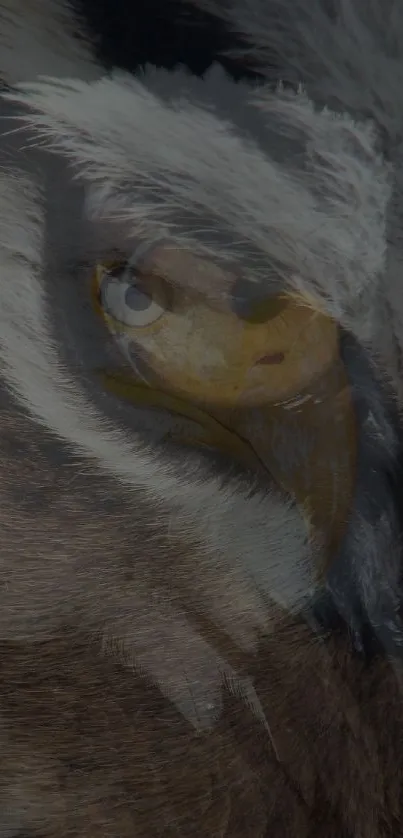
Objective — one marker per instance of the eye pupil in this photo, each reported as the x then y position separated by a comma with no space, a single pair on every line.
136,299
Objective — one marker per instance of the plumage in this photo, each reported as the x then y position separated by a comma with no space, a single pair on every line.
172,662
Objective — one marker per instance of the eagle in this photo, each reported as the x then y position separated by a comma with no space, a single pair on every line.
201,335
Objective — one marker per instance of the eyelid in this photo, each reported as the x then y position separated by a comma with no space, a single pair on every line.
134,272
157,288
186,273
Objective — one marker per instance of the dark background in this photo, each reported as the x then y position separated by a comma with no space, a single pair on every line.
165,33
